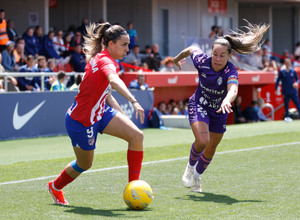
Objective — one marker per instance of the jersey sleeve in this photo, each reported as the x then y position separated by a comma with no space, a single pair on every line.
108,66
198,57
232,75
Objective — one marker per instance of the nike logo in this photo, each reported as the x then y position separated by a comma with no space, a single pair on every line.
20,121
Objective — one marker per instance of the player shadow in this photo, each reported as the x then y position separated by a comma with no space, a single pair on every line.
114,213
216,198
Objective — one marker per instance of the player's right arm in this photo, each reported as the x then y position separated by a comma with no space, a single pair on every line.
179,59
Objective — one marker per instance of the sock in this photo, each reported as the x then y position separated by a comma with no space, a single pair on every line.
193,156
202,165
134,160
62,180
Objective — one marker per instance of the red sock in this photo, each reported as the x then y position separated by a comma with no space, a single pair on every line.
62,180
134,160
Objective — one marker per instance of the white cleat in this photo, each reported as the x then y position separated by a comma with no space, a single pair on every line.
188,176
288,119
197,185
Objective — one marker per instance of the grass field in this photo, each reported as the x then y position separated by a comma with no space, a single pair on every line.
255,174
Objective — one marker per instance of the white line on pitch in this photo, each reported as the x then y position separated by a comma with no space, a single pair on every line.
151,162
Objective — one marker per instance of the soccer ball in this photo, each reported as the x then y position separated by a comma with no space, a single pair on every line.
137,194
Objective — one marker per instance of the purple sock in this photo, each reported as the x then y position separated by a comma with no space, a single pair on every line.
193,156
202,164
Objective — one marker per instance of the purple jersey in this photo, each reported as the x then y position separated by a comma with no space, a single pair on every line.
212,87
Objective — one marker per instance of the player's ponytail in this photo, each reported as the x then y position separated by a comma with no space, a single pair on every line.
244,42
98,36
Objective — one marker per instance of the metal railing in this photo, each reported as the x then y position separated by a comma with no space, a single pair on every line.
6,75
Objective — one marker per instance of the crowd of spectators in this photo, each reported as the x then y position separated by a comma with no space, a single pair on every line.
252,113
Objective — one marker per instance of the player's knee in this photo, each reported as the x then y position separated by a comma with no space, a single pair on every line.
137,137
201,144
81,166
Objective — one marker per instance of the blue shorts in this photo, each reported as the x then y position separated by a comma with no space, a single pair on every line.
216,121
85,137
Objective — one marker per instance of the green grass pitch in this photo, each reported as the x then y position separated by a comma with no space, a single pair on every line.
255,174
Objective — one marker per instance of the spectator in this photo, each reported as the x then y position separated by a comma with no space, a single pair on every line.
238,116
135,55
30,43
42,66
155,59
147,50
255,59
8,60
297,51
52,65
29,83
3,31
48,48
182,106
72,30
11,32
75,86
77,39
155,120
58,42
132,35
270,65
19,52
289,78
77,59
174,111
67,44
12,84
38,34
260,114
139,83
168,65
250,113
82,27
267,47
284,56
214,32
58,84
2,70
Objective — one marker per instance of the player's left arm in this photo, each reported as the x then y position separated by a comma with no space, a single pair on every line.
117,84
112,102
232,89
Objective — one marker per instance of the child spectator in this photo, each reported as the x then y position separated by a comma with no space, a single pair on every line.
58,84
168,65
29,83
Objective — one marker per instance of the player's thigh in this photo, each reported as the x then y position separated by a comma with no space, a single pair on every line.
215,139
121,126
201,132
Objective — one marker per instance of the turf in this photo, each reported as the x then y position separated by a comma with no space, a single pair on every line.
252,183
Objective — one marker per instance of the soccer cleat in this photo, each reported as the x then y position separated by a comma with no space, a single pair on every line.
58,196
288,119
197,185
188,176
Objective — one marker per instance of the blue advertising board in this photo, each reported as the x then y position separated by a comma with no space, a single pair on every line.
34,114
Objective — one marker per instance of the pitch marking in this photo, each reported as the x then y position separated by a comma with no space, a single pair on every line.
150,162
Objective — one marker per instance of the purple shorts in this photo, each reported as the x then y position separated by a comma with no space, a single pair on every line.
85,137
216,121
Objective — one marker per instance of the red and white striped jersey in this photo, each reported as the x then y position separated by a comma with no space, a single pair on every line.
89,103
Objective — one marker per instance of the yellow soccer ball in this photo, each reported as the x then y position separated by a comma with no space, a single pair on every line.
137,194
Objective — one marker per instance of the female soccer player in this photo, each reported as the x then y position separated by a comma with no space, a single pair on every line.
95,109
209,106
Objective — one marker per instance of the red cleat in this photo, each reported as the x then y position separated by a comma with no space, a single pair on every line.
58,196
